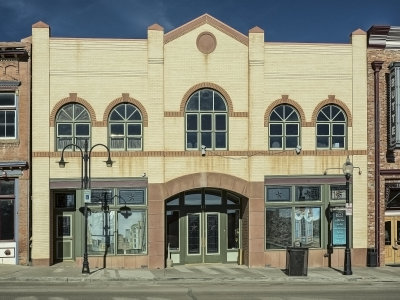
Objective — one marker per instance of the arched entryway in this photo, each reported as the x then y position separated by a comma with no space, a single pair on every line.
204,225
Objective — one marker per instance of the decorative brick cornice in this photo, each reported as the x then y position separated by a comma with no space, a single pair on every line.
285,100
205,19
126,99
332,100
72,99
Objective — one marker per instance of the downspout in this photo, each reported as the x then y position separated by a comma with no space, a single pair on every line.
377,66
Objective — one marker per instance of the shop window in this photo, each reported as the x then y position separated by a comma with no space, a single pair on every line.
125,126
287,223
72,127
206,121
117,223
8,115
7,202
331,128
284,128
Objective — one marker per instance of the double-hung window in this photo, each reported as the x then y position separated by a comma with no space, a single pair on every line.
72,126
125,128
8,115
206,121
331,128
284,128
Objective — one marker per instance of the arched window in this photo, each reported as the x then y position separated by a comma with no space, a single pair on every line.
206,121
331,128
125,128
284,128
72,126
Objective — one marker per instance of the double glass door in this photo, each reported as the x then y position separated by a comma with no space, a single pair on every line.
392,240
203,237
203,226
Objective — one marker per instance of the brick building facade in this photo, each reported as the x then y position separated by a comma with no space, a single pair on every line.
219,142
384,173
15,89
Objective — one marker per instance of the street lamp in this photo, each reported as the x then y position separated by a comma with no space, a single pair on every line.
85,182
347,169
348,172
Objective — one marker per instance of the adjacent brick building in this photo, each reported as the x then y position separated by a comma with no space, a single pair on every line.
383,155
219,142
15,92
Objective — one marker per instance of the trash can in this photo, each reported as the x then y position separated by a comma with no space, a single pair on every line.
297,261
372,257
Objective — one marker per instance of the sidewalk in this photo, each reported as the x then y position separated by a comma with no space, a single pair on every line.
66,272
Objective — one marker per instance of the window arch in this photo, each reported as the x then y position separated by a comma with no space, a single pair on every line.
331,128
72,126
206,120
284,127
125,127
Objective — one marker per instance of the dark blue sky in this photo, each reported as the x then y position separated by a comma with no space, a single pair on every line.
330,21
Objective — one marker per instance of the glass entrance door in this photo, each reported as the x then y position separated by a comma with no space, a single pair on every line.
203,236
203,226
392,240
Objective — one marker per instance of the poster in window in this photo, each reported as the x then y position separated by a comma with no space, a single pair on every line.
338,227
64,226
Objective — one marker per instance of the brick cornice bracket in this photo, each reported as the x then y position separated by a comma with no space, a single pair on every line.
377,65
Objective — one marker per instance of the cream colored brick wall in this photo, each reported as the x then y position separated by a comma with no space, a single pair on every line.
40,142
159,75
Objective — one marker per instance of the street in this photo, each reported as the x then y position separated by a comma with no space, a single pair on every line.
206,290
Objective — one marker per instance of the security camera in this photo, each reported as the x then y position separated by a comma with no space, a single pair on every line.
298,149
203,150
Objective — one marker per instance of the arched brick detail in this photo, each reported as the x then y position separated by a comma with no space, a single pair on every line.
205,85
332,100
206,179
71,99
285,100
126,99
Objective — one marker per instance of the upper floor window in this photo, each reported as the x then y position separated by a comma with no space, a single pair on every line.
331,128
206,121
8,115
72,126
125,128
284,128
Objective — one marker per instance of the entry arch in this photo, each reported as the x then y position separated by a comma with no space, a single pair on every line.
204,216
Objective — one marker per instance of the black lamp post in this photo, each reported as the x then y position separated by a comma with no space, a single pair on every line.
85,183
347,171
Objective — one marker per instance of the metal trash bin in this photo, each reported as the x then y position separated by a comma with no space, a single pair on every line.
372,257
297,261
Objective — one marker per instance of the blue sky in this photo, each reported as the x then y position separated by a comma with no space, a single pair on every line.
326,21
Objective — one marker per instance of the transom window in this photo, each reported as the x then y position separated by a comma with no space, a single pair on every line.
331,128
284,128
73,126
125,128
8,116
206,121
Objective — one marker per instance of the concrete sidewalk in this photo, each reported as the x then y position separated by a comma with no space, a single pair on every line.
67,272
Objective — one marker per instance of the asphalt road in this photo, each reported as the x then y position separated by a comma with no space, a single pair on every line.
153,290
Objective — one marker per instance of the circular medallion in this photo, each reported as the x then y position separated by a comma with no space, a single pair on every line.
206,42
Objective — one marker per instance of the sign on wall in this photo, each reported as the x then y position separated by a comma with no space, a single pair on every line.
394,105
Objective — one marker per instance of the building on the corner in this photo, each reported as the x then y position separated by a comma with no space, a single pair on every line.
219,142
384,142
15,95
